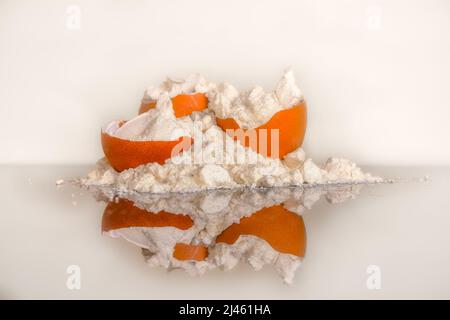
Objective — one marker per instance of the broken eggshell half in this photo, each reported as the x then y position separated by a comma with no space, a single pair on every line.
282,229
122,218
291,126
123,153
123,213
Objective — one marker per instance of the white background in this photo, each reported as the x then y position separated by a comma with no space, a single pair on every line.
376,74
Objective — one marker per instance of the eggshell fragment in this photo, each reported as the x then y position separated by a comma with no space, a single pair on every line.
282,229
184,251
291,125
183,104
124,154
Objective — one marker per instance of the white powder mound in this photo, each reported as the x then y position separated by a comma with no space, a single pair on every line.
158,124
254,107
345,170
256,252
295,159
215,160
194,83
172,177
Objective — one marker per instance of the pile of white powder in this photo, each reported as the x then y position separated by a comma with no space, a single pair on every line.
215,160
194,83
252,108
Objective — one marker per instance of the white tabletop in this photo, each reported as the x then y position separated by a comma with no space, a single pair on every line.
401,229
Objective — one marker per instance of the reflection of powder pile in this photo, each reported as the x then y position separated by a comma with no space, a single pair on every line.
159,243
215,160
212,213
257,252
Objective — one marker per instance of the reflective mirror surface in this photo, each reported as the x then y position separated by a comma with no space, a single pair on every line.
378,241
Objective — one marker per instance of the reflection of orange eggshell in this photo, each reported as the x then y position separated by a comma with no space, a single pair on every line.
124,214
184,251
282,229
125,154
291,125
183,104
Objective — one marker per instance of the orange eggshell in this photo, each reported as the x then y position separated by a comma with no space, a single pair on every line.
183,104
124,214
282,229
291,124
184,251
125,154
